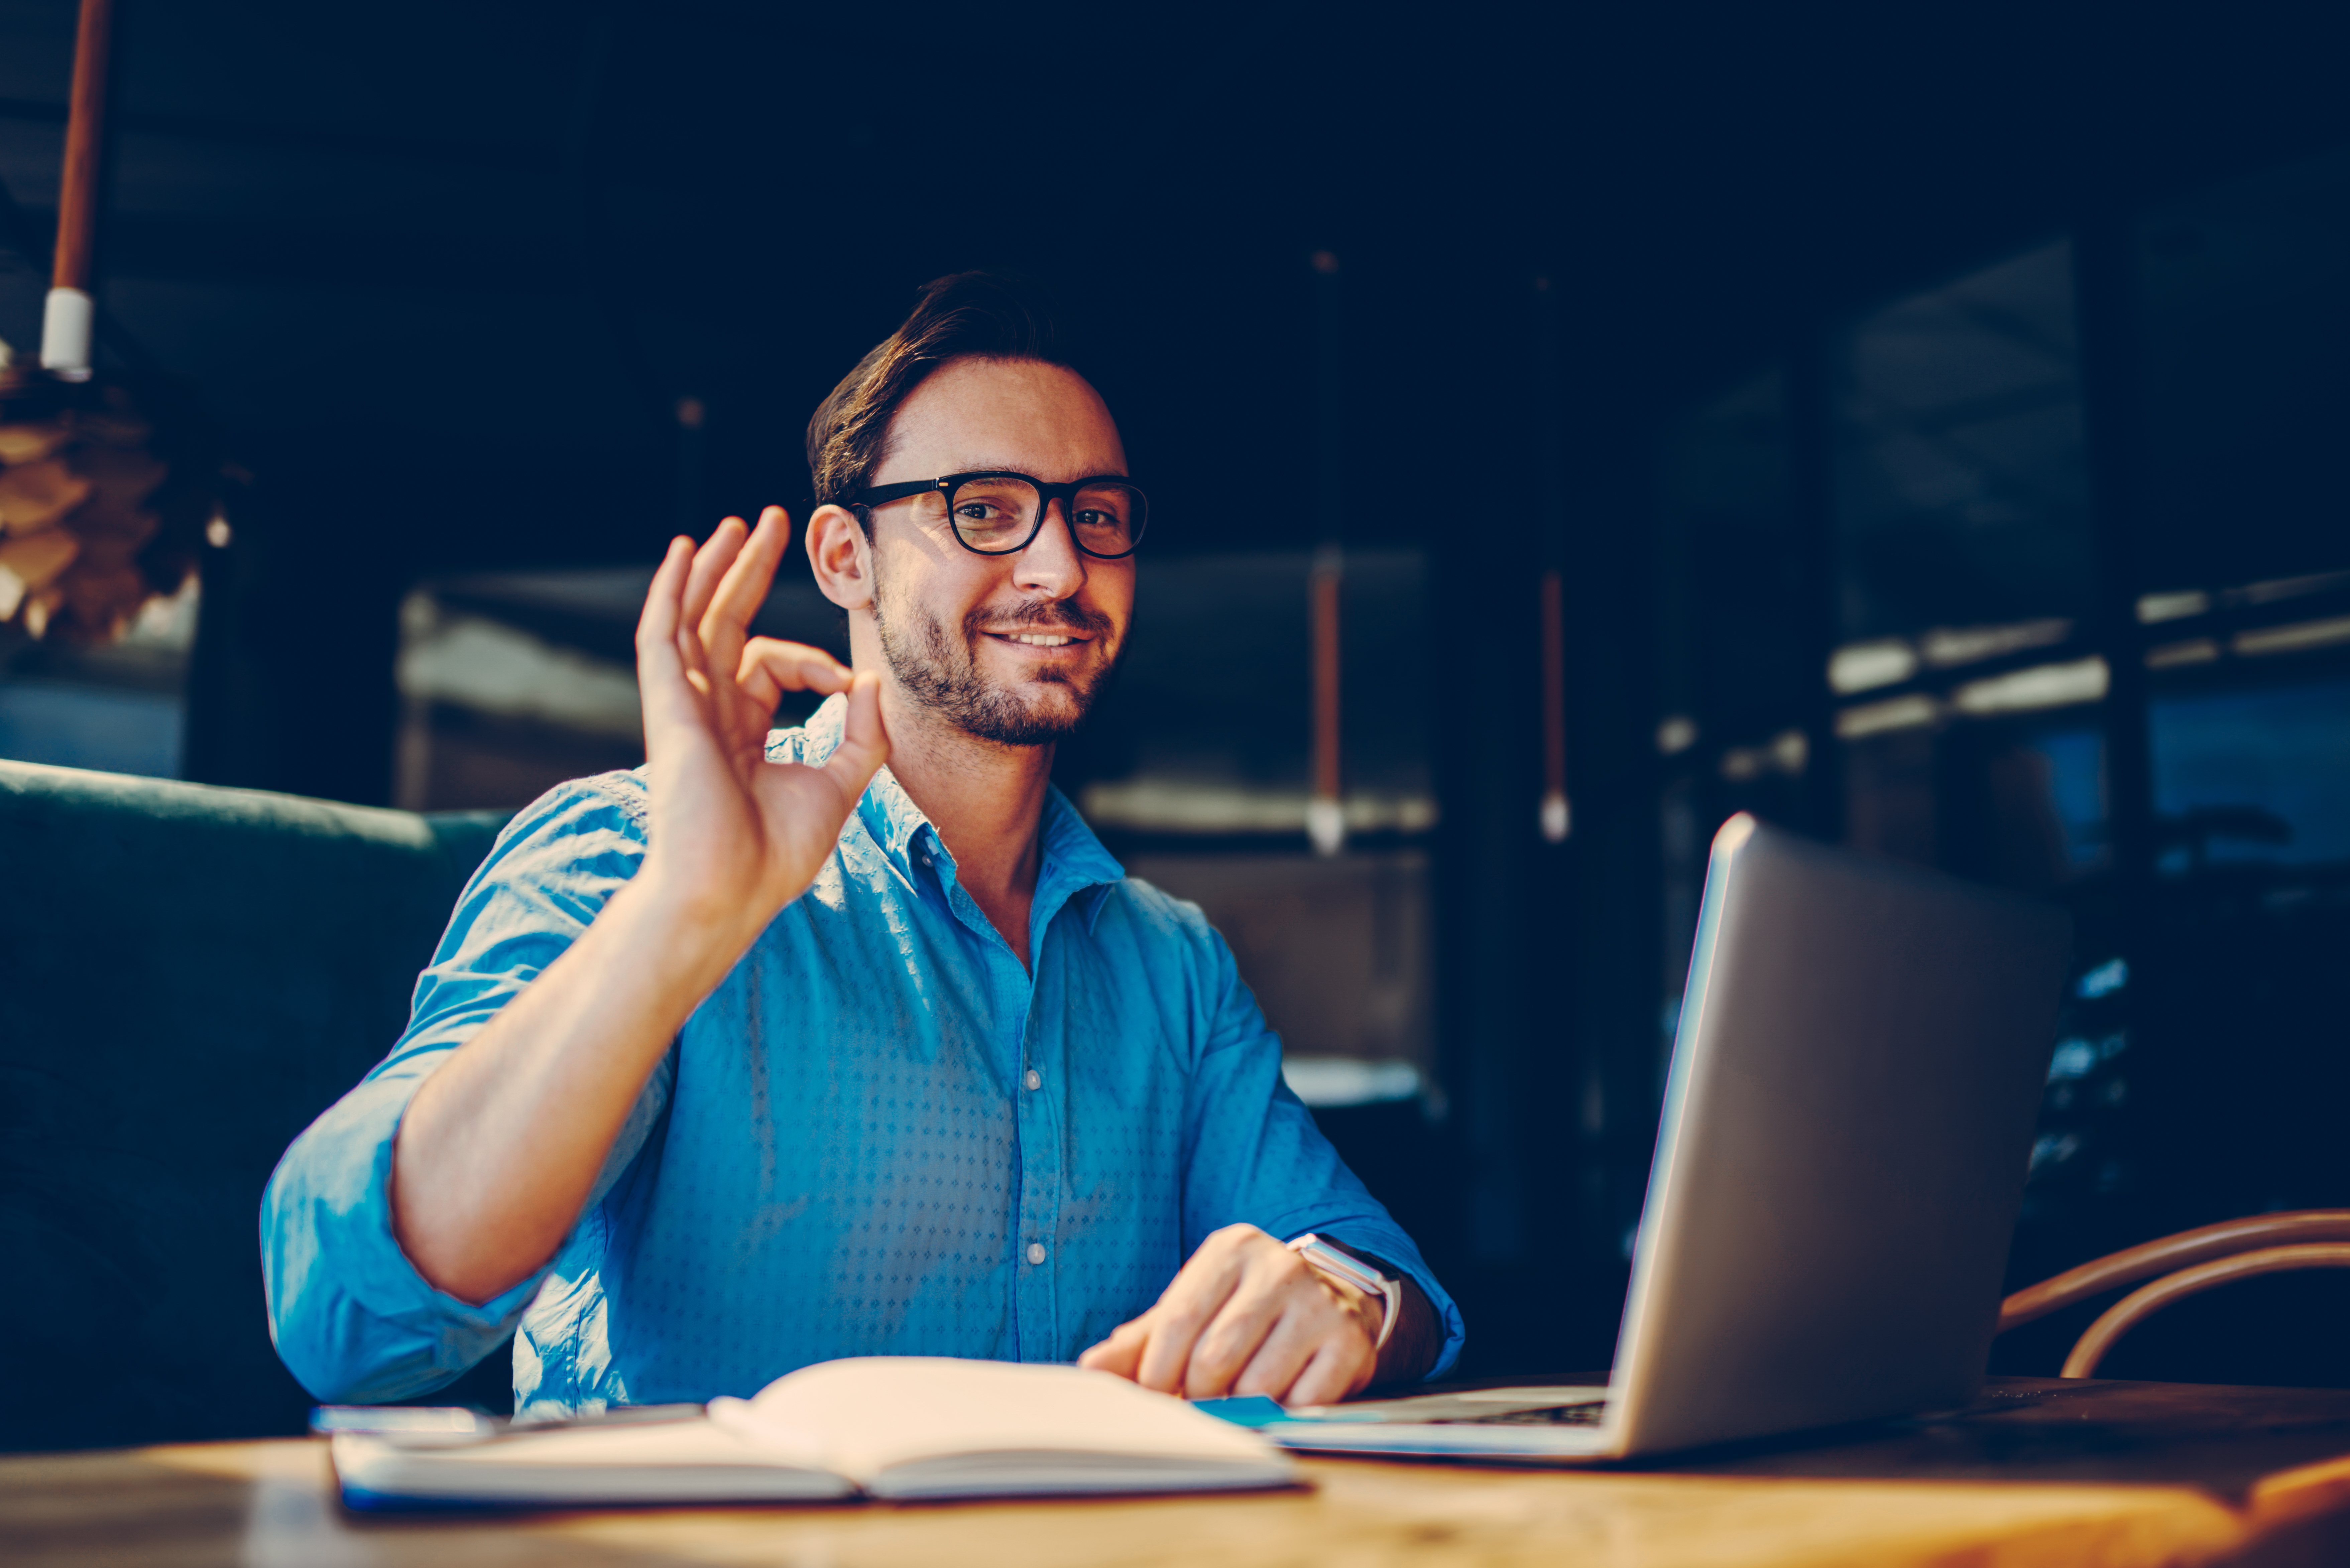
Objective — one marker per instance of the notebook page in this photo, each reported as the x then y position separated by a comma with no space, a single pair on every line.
670,1461
874,1412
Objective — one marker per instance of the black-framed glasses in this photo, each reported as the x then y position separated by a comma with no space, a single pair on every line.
999,513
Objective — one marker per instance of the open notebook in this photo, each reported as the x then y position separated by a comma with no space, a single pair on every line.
883,1427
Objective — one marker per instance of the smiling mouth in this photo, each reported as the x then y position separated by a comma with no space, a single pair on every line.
1037,638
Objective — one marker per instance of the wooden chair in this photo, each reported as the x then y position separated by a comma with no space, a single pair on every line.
2187,1263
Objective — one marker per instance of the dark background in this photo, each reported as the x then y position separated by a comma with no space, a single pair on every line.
443,271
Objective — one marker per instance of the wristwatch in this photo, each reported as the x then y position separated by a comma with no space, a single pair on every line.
1352,1271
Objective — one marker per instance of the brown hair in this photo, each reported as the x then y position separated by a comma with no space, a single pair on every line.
990,315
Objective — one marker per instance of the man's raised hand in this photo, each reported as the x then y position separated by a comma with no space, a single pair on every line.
501,1147
736,838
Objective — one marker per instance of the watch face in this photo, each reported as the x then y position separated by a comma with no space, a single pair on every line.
1340,1266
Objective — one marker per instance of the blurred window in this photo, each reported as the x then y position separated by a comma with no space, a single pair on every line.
2246,542
2253,774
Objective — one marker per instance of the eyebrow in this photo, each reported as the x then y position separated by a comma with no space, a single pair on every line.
1016,467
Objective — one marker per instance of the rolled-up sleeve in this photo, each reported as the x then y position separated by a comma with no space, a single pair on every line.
351,1317
1255,1155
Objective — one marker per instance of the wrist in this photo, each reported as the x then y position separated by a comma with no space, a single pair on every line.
683,912
673,941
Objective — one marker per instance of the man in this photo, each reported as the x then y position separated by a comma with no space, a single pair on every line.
764,1054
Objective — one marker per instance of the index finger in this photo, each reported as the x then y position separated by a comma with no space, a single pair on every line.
726,624
710,564
1199,1291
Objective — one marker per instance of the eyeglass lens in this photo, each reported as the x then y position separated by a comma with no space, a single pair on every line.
997,515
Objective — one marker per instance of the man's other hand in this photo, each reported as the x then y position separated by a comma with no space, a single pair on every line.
1247,1316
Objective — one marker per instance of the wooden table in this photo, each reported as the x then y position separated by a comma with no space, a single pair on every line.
2080,1474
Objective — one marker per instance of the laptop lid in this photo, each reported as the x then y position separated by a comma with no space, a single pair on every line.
1847,1127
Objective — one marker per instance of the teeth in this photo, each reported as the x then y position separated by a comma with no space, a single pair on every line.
1036,640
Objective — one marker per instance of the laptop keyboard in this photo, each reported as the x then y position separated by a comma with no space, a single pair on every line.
1525,1406
1587,1415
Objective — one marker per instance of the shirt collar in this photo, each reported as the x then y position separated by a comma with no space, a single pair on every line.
1070,859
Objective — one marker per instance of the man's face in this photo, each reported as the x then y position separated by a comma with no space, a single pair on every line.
1010,649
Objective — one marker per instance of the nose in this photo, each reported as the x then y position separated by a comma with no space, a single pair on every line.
1052,565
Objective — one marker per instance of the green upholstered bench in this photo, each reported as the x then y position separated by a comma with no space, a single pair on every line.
188,975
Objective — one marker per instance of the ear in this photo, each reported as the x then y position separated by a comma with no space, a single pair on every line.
842,558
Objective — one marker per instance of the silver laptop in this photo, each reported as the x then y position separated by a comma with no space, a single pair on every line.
1846,1132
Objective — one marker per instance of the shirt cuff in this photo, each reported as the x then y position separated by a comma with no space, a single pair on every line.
352,1318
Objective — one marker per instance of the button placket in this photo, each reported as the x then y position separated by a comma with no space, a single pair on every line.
1040,1182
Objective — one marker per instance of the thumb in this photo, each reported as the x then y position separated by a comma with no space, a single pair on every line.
864,744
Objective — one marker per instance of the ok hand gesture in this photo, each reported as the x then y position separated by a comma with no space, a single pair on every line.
736,838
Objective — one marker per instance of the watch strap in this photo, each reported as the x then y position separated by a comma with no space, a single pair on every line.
1352,1271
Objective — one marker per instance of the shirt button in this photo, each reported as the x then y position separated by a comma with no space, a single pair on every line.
1036,1252
1035,1079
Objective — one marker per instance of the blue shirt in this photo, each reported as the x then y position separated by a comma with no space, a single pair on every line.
880,1136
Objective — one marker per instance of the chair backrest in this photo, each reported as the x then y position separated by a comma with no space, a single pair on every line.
188,975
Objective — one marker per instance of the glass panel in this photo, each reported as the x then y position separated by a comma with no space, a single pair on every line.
2247,326
1966,579
1961,493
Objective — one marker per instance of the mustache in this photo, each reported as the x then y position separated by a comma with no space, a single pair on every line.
1059,616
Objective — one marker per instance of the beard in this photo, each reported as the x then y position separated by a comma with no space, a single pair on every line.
942,674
